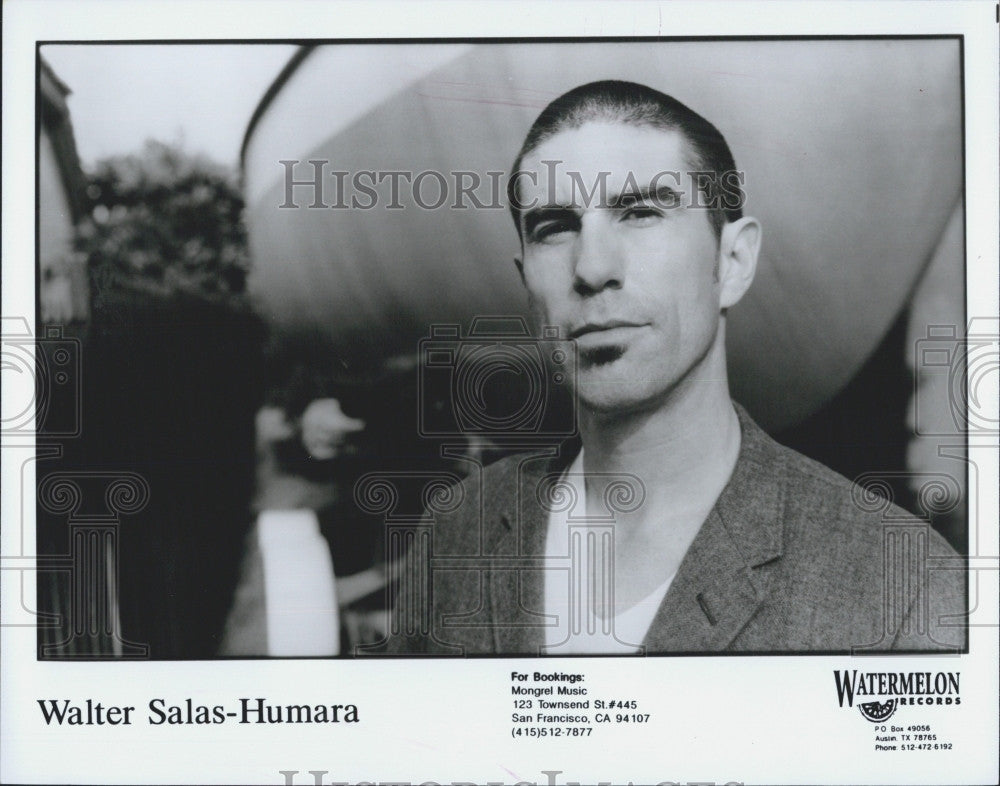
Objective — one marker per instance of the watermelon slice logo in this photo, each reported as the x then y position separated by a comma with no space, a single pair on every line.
878,711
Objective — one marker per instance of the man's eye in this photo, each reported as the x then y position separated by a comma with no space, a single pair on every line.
641,214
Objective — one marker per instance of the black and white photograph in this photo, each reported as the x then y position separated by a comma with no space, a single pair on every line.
490,405
330,335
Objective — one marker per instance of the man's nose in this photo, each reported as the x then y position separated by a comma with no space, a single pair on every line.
597,259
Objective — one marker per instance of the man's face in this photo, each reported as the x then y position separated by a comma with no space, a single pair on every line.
631,277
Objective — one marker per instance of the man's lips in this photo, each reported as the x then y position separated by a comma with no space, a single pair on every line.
607,331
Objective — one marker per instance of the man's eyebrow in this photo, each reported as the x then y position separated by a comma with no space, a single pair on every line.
537,215
662,195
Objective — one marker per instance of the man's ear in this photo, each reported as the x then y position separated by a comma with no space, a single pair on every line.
519,264
739,246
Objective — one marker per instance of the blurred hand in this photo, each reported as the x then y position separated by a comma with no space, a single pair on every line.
325,427
272,426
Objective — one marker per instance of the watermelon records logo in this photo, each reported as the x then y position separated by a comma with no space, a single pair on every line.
878,711
881,693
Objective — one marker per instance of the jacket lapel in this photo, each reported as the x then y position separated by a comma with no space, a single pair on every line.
516,529
722,580
713,596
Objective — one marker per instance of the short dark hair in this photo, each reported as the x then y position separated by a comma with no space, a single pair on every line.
616,101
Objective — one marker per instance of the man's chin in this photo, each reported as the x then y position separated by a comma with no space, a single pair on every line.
621,390
609,397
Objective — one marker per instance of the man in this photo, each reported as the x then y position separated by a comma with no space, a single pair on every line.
674,524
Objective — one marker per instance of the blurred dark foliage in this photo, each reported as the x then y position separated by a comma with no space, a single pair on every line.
166,220
171,364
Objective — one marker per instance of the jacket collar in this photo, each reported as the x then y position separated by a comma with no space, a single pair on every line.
720,584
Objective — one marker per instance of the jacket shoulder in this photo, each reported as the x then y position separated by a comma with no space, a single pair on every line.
852,556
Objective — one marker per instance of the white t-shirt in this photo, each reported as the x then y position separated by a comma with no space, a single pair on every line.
579,582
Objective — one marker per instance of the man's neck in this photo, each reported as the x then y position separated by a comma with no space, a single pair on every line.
683,452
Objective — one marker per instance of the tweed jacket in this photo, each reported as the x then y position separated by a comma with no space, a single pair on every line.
792,558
